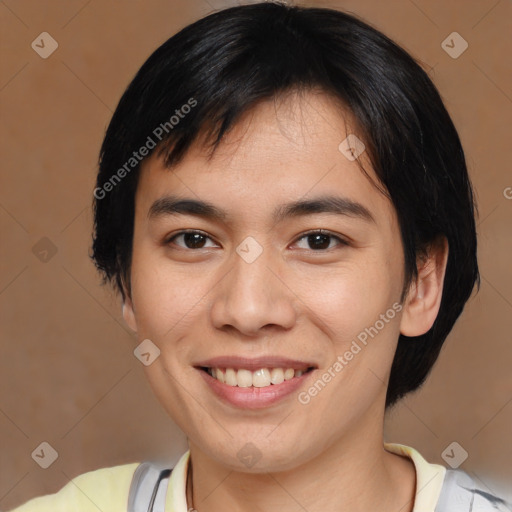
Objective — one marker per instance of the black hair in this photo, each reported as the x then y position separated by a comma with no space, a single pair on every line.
200,82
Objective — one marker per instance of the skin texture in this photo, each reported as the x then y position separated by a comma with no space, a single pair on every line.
293,301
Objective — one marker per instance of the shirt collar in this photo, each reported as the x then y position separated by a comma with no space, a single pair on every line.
429,480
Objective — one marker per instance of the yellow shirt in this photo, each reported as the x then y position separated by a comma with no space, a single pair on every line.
107,489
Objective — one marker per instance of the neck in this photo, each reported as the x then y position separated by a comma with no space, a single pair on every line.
354,473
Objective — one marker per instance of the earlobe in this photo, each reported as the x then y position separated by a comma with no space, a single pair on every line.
129,315
423,300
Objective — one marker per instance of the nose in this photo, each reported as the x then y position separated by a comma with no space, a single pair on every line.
252,298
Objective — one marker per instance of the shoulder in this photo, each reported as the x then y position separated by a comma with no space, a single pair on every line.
101,489
461,493
447,490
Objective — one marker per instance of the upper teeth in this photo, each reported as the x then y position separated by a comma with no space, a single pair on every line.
259,379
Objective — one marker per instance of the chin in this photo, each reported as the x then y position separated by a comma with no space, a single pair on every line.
257,456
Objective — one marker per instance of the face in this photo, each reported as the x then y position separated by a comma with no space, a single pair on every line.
277,256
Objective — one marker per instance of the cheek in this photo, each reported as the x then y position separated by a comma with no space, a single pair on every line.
166,296
346,300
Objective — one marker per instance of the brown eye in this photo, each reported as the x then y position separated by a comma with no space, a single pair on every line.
320,241
194,240
190,240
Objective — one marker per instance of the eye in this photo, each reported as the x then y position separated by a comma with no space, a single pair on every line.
190,239
320,240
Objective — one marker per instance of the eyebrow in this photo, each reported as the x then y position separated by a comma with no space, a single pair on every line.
173,205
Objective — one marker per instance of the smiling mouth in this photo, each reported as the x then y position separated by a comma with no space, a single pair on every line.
260,378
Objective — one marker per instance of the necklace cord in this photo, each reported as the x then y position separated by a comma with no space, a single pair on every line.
190,489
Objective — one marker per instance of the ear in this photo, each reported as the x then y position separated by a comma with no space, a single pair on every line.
423,299
129,314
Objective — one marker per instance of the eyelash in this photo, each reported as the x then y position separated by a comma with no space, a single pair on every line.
324,232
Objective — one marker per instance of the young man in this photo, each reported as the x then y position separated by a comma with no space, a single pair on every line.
284,206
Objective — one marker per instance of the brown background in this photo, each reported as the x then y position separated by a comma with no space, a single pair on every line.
68,375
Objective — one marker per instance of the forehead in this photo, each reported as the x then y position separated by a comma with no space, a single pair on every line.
280,151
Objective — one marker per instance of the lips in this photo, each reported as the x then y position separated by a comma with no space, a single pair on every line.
254,383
